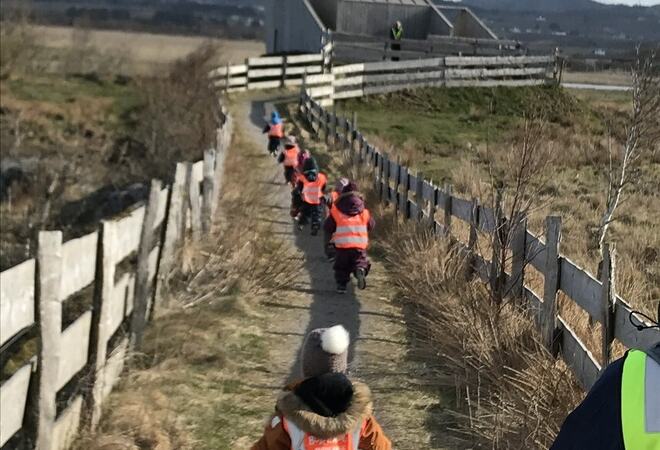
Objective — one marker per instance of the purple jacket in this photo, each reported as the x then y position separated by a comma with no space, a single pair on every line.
351,204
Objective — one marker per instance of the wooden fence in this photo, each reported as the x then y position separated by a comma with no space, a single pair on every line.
269,72
120,270
419,200
357,80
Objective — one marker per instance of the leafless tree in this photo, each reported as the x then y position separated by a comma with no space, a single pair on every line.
641,136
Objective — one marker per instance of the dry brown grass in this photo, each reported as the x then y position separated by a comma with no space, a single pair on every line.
510,392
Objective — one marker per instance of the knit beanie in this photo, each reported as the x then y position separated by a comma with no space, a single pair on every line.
328,395
340,184
350,187
310,164
325,350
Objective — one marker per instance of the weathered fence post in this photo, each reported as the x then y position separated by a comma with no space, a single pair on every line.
551,283
432,208
518,250
303,97
419,196
227,77
397,183
174,231
326,125
49,257
284,63
406,188
381,176
498,246
447,209
195,207
140,302
472,239
353,130
208,189
334,125
608,298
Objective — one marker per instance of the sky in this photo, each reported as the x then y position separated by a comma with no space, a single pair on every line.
631,2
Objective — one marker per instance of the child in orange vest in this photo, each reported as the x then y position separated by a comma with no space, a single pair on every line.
330,202
289,159
275,130
348,227
326,410
309,196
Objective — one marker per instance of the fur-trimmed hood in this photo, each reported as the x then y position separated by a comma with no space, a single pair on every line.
295,410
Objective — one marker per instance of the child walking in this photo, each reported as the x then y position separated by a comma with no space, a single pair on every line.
348,227
326,409
308,196
289,159
275,130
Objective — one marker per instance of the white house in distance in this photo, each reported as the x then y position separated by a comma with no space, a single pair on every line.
300,26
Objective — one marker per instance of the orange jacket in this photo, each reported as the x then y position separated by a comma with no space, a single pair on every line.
351,231
276,437
312,191
291,157
276,130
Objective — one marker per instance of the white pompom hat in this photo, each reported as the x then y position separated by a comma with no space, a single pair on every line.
325,350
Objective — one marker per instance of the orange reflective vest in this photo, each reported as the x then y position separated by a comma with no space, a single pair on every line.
312,191
276,130
304,441
351,231
291,157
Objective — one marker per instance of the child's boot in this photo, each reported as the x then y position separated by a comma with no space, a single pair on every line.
361,276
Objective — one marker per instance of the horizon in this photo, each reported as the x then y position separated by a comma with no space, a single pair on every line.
630,2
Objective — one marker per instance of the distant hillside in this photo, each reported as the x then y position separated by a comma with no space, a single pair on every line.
536,5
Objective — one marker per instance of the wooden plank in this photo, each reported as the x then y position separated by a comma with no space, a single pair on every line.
78,264
127,234
319,79
264,73
552,276
627,333
577,357
493,83
264,84
534,304
303,70
348,94
461,208
486,219
196,175
327,102
402,65
74,345
348,81
580,286
113,368
233,70
535,251
451,61
265,61
66,426
403,77
233,82
163,197
297,59
49,257
428,191
13,398
118,306
321,91
237,89
348,68
493,73
16,299
208,189
153,262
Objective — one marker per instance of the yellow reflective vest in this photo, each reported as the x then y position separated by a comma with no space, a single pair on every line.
640,402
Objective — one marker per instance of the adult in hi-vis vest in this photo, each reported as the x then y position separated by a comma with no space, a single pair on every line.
289,159
347,227
326,410
309,196
275,130
622,409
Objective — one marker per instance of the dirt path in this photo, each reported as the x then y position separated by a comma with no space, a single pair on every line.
379,347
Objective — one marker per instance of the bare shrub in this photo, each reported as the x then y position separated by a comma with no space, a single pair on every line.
511,393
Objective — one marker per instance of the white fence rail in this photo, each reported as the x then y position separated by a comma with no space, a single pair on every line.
420,200
326,84
122,268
